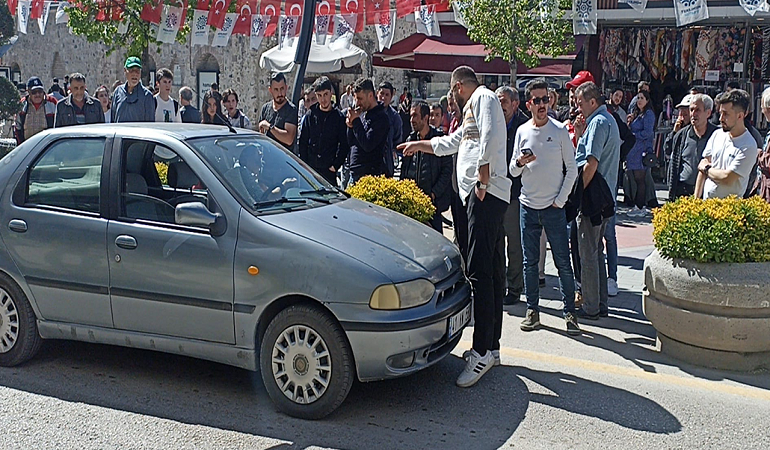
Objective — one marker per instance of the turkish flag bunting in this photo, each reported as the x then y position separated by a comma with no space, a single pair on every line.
12,6
374,8
406,7
325,8
217,13
102,11
293,7
270,8
116,10
36,10
441,5
354,7
245,9
202,5
152,11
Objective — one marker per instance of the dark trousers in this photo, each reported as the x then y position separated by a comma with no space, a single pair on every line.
460,224
436,223
486,269
684,190
330,176
574,249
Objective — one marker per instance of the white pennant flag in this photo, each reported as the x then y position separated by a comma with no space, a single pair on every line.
322,28
42,21
638,5
385,28
584,16
287,30
258,27
200,30
344,27
170,21
23,13
426,21
752,6
123,26
61,14
689,11
459,7
222,37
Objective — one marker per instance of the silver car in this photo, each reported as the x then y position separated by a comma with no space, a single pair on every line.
218,244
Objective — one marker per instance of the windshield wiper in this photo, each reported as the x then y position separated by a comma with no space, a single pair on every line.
278,201
322,191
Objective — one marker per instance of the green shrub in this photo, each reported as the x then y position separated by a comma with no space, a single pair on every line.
9,99
401,196
714,230
162,169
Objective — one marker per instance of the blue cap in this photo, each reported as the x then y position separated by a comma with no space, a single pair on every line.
34,83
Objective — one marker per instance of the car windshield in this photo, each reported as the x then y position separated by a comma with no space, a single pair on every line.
263,174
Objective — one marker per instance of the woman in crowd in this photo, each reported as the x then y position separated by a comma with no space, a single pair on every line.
762,186
212,109
103,95
552,103
642,124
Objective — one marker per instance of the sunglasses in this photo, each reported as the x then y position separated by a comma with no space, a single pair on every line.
539,100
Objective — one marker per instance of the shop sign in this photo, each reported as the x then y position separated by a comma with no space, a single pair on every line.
712,75
689,11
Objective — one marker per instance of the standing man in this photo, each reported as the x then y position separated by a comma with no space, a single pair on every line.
368,130
544,158
616,101
78,108
347,99
437,117
433,174
38,112
188,112
687,148
486,190
236,117
323,139
598,155
166,108
731,153
132,102
514,273
278,118
385,93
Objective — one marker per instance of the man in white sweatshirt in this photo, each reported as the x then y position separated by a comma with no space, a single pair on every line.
544,157
486,191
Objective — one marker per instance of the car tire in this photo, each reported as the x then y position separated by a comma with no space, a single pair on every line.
19,338
306,362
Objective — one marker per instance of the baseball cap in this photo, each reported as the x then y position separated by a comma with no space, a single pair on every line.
583,76
34,83
133,61
685,103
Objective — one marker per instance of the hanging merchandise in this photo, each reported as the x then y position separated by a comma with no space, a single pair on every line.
217,14
704,51
766,52
584,16
385,29
23,13
459,7
245,9
689,11
61,13
42,21
426,21
752,6
222,36
200,28
170,21
344,26
258,28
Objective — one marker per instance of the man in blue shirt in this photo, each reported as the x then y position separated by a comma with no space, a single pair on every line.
132,102
598,154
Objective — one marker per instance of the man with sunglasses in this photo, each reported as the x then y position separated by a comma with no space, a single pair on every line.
541,151
486,190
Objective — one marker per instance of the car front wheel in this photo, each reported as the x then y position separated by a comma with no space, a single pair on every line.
19,339
306,362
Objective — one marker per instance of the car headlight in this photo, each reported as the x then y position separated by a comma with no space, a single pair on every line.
402,295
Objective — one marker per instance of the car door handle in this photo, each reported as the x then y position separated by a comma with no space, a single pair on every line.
17,225
125,241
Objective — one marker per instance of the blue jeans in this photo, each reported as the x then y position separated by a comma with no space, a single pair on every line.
612,249
554,221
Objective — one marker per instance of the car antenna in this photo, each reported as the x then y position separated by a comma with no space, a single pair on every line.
226,123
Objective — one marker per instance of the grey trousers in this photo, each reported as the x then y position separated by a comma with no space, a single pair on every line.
514,273
593,270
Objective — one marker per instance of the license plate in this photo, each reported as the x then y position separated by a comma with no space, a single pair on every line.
459,320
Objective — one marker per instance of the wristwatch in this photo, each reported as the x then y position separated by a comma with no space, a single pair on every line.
706,170
481,186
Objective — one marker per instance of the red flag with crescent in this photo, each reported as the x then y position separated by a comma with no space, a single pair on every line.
354,7
374,8
36,9
406,7
12,6
152,11
325,8
441,5
217,13
244,8
202,5
270,8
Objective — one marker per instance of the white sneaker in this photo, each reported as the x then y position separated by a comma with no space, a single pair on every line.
612,287
475,368
635,212
495,354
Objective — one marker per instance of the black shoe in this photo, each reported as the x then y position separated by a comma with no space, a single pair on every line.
542,282
531,321
511,299
572,325
580,312
604,313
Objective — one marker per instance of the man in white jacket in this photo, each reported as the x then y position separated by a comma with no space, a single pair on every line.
544,157
486,191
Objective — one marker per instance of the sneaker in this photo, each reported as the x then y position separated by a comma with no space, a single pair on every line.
542,282
475,368
531,322
511,298
572,325
495,354
635,212
604,313
612,287
580,312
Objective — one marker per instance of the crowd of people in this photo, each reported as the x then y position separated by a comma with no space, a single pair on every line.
514,171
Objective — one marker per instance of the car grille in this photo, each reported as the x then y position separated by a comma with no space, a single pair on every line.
448,287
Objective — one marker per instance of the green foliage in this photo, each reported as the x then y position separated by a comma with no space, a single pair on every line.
162,169
9,99
401,196
518,32
140,35
7,23
714,230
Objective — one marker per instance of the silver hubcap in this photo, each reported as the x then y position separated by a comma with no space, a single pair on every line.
302,366
9,322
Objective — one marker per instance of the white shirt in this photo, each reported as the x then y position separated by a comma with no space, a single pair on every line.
543,182
737,155
107,116
162,107
480,141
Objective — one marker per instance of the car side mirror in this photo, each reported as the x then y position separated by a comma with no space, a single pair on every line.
196,214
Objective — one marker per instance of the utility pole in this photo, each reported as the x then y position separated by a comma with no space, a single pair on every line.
303,48
513,63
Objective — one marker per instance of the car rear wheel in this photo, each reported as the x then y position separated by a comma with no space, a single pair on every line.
19,338
306,362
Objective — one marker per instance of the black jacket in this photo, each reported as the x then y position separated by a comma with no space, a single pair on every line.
433,174
368,139
676,145
65,112
517,120
595,200
190,114
323,142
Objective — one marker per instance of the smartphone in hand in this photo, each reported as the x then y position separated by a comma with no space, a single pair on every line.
526,151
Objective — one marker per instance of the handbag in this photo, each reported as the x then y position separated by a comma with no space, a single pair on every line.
649,160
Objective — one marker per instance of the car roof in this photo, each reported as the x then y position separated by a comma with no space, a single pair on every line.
181,131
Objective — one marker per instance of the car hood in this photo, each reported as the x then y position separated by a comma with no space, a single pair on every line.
395,245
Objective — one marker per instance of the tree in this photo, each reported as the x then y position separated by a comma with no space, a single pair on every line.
6,23
9,99
520,30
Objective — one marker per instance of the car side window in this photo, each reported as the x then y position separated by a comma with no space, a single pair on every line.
155,180
68,175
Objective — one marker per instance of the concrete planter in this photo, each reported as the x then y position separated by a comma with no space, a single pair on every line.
713,315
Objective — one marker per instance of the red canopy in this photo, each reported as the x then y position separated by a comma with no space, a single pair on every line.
454,48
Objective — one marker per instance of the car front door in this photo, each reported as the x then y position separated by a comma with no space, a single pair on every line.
55,231
165,278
